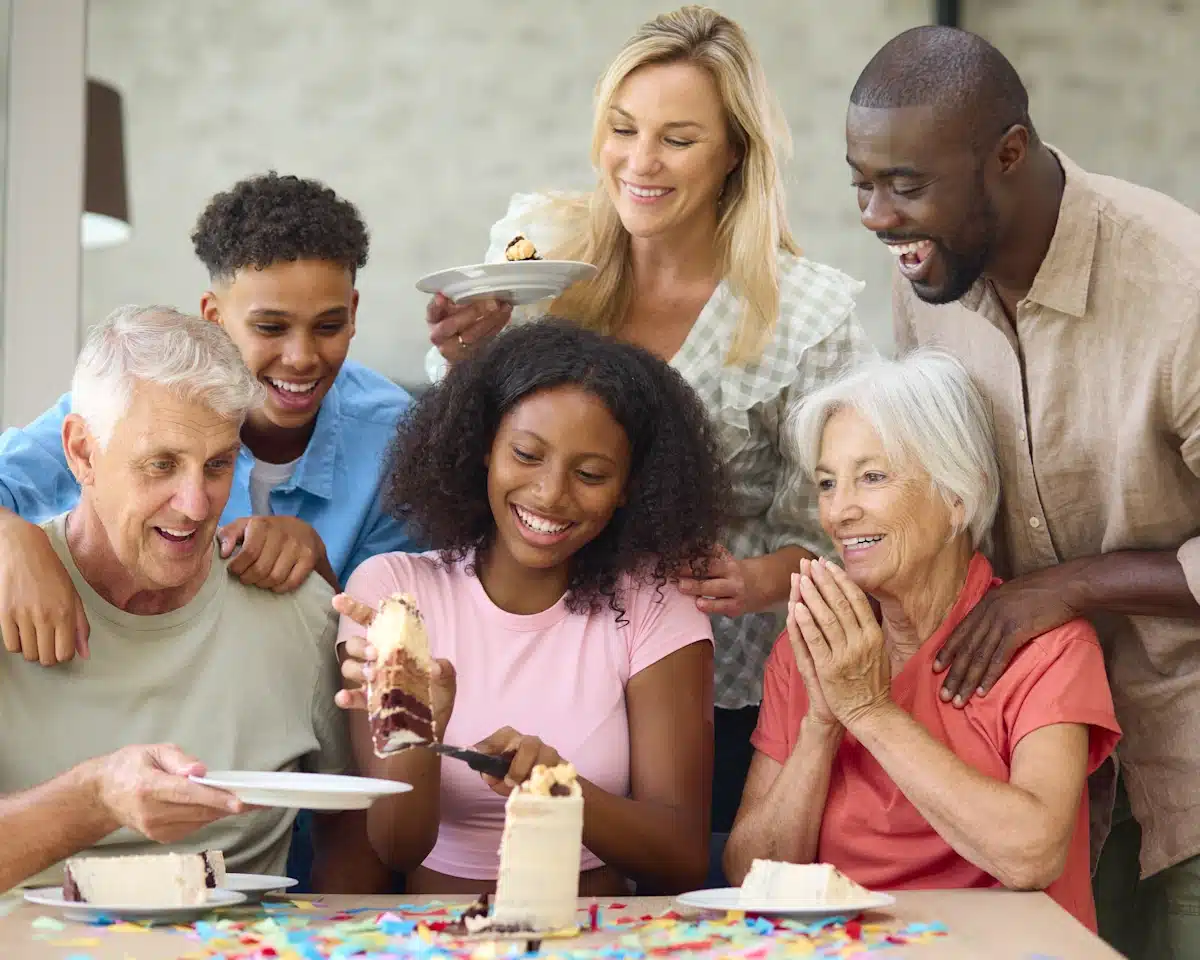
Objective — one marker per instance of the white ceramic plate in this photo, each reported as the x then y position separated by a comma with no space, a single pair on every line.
517,282
730,898
256,885
302,791
85,912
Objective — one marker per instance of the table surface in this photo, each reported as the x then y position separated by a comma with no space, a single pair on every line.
980,924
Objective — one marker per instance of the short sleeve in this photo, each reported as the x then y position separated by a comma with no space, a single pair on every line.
661,621
1063,681
782,699
35,481
372,580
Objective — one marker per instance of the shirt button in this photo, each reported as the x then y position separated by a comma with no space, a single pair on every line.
1035,522
1021,435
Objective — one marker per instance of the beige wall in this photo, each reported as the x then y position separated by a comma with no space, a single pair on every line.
428,115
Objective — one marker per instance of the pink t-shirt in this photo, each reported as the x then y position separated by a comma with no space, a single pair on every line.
556,675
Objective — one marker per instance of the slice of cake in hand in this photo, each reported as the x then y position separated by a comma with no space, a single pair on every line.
150,880
770,880
538,884
400,693
521,248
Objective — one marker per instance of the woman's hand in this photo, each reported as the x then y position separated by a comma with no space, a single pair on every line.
845,642
818,708
455,329
721,585
526,752
358,660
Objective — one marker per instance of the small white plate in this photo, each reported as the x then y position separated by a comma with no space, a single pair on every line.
257,885
730,898
302,791
517,281
85,912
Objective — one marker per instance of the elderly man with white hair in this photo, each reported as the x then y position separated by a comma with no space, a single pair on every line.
858,760
185,657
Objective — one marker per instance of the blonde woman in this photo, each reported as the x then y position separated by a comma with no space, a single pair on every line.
696,263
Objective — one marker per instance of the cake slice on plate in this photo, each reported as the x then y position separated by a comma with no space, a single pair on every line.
538,884
521,247
150,880
771,880
400,693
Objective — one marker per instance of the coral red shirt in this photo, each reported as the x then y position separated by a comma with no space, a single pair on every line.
871,831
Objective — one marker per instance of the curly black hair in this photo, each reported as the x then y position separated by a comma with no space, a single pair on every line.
270,219
677,492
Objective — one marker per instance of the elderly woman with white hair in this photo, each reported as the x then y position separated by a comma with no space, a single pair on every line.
858,760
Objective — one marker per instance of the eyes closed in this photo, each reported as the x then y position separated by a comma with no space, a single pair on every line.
588,476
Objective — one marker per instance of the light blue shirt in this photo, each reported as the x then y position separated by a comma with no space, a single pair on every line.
336,488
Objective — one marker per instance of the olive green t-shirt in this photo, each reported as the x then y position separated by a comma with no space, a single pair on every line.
240,678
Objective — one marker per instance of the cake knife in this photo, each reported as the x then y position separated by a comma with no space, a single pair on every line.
491,764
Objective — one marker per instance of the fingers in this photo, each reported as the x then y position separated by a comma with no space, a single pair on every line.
179,791
835,597
358,664
355,699
12,633
253,538
290,558
83,630
170,759
975,644
812,635
356,610
229,535
270,545
64,640
715,588
498,742
461,327
304,565
860,605
818,613
527,755
27,631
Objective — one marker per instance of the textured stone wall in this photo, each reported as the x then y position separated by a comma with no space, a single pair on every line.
429,115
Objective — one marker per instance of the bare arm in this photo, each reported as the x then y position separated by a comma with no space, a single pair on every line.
343,858
1019,831
659,834
782,806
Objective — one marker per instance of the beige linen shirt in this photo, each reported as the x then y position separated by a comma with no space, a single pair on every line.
1095,394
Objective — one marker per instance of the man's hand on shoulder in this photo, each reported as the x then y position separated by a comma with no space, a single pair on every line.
275,553
146,788
41,615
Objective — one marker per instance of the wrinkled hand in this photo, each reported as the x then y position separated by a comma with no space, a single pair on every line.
818,708
455,329
276,553
527,753
146,788
358,659
723,586
41,615
1008,617
845,641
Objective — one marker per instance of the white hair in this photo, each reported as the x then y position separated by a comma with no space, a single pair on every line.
191,357
927,412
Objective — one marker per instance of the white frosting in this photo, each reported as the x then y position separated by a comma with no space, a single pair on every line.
153,880
538,883
396,626
808,882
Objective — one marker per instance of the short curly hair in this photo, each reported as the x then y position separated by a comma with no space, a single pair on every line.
676,495
269,219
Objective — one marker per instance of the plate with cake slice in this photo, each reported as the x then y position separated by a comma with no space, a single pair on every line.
302,791
809,891
159,887
523,277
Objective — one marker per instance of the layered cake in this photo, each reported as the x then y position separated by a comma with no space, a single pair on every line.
807,882
152,880
538,884
400,692
521,248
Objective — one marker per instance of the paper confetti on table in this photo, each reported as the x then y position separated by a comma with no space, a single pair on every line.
306,930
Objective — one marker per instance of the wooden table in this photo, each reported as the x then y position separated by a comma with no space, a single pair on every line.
982,924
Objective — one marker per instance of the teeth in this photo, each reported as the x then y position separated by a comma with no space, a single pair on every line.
540,524
288,387
176,533
647,191
861,541
900,249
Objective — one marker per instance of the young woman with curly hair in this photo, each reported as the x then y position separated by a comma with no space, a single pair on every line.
565,478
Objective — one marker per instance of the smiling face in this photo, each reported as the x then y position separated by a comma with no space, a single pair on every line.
556,475
293,323
923,191
158,486
667,152
886,520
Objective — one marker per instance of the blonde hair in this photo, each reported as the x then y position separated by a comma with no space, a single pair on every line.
752,221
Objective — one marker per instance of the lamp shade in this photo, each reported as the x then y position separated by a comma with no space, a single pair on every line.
105,201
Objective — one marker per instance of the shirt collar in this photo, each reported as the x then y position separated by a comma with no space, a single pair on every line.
1065,276
315,469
